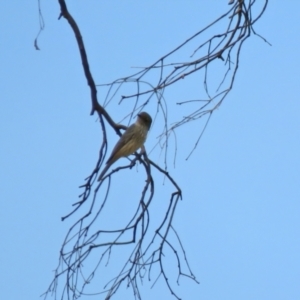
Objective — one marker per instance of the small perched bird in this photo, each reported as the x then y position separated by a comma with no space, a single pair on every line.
132,139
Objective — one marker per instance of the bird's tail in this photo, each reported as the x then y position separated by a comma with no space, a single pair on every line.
104,171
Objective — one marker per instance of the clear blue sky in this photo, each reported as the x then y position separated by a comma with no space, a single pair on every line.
239,219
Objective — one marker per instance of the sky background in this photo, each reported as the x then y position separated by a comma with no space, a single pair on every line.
239,218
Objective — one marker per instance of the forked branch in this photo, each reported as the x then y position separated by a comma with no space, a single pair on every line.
89,246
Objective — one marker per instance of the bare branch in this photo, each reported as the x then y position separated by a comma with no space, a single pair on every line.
88,243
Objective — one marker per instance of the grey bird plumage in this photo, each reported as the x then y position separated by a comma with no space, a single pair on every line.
132,139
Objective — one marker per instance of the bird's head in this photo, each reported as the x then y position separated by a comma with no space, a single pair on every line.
145,119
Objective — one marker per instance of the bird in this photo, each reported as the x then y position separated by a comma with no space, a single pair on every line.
133,138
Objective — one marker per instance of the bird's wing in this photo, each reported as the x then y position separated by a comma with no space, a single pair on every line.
124,139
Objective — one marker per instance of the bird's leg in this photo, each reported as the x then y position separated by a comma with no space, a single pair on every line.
138,156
